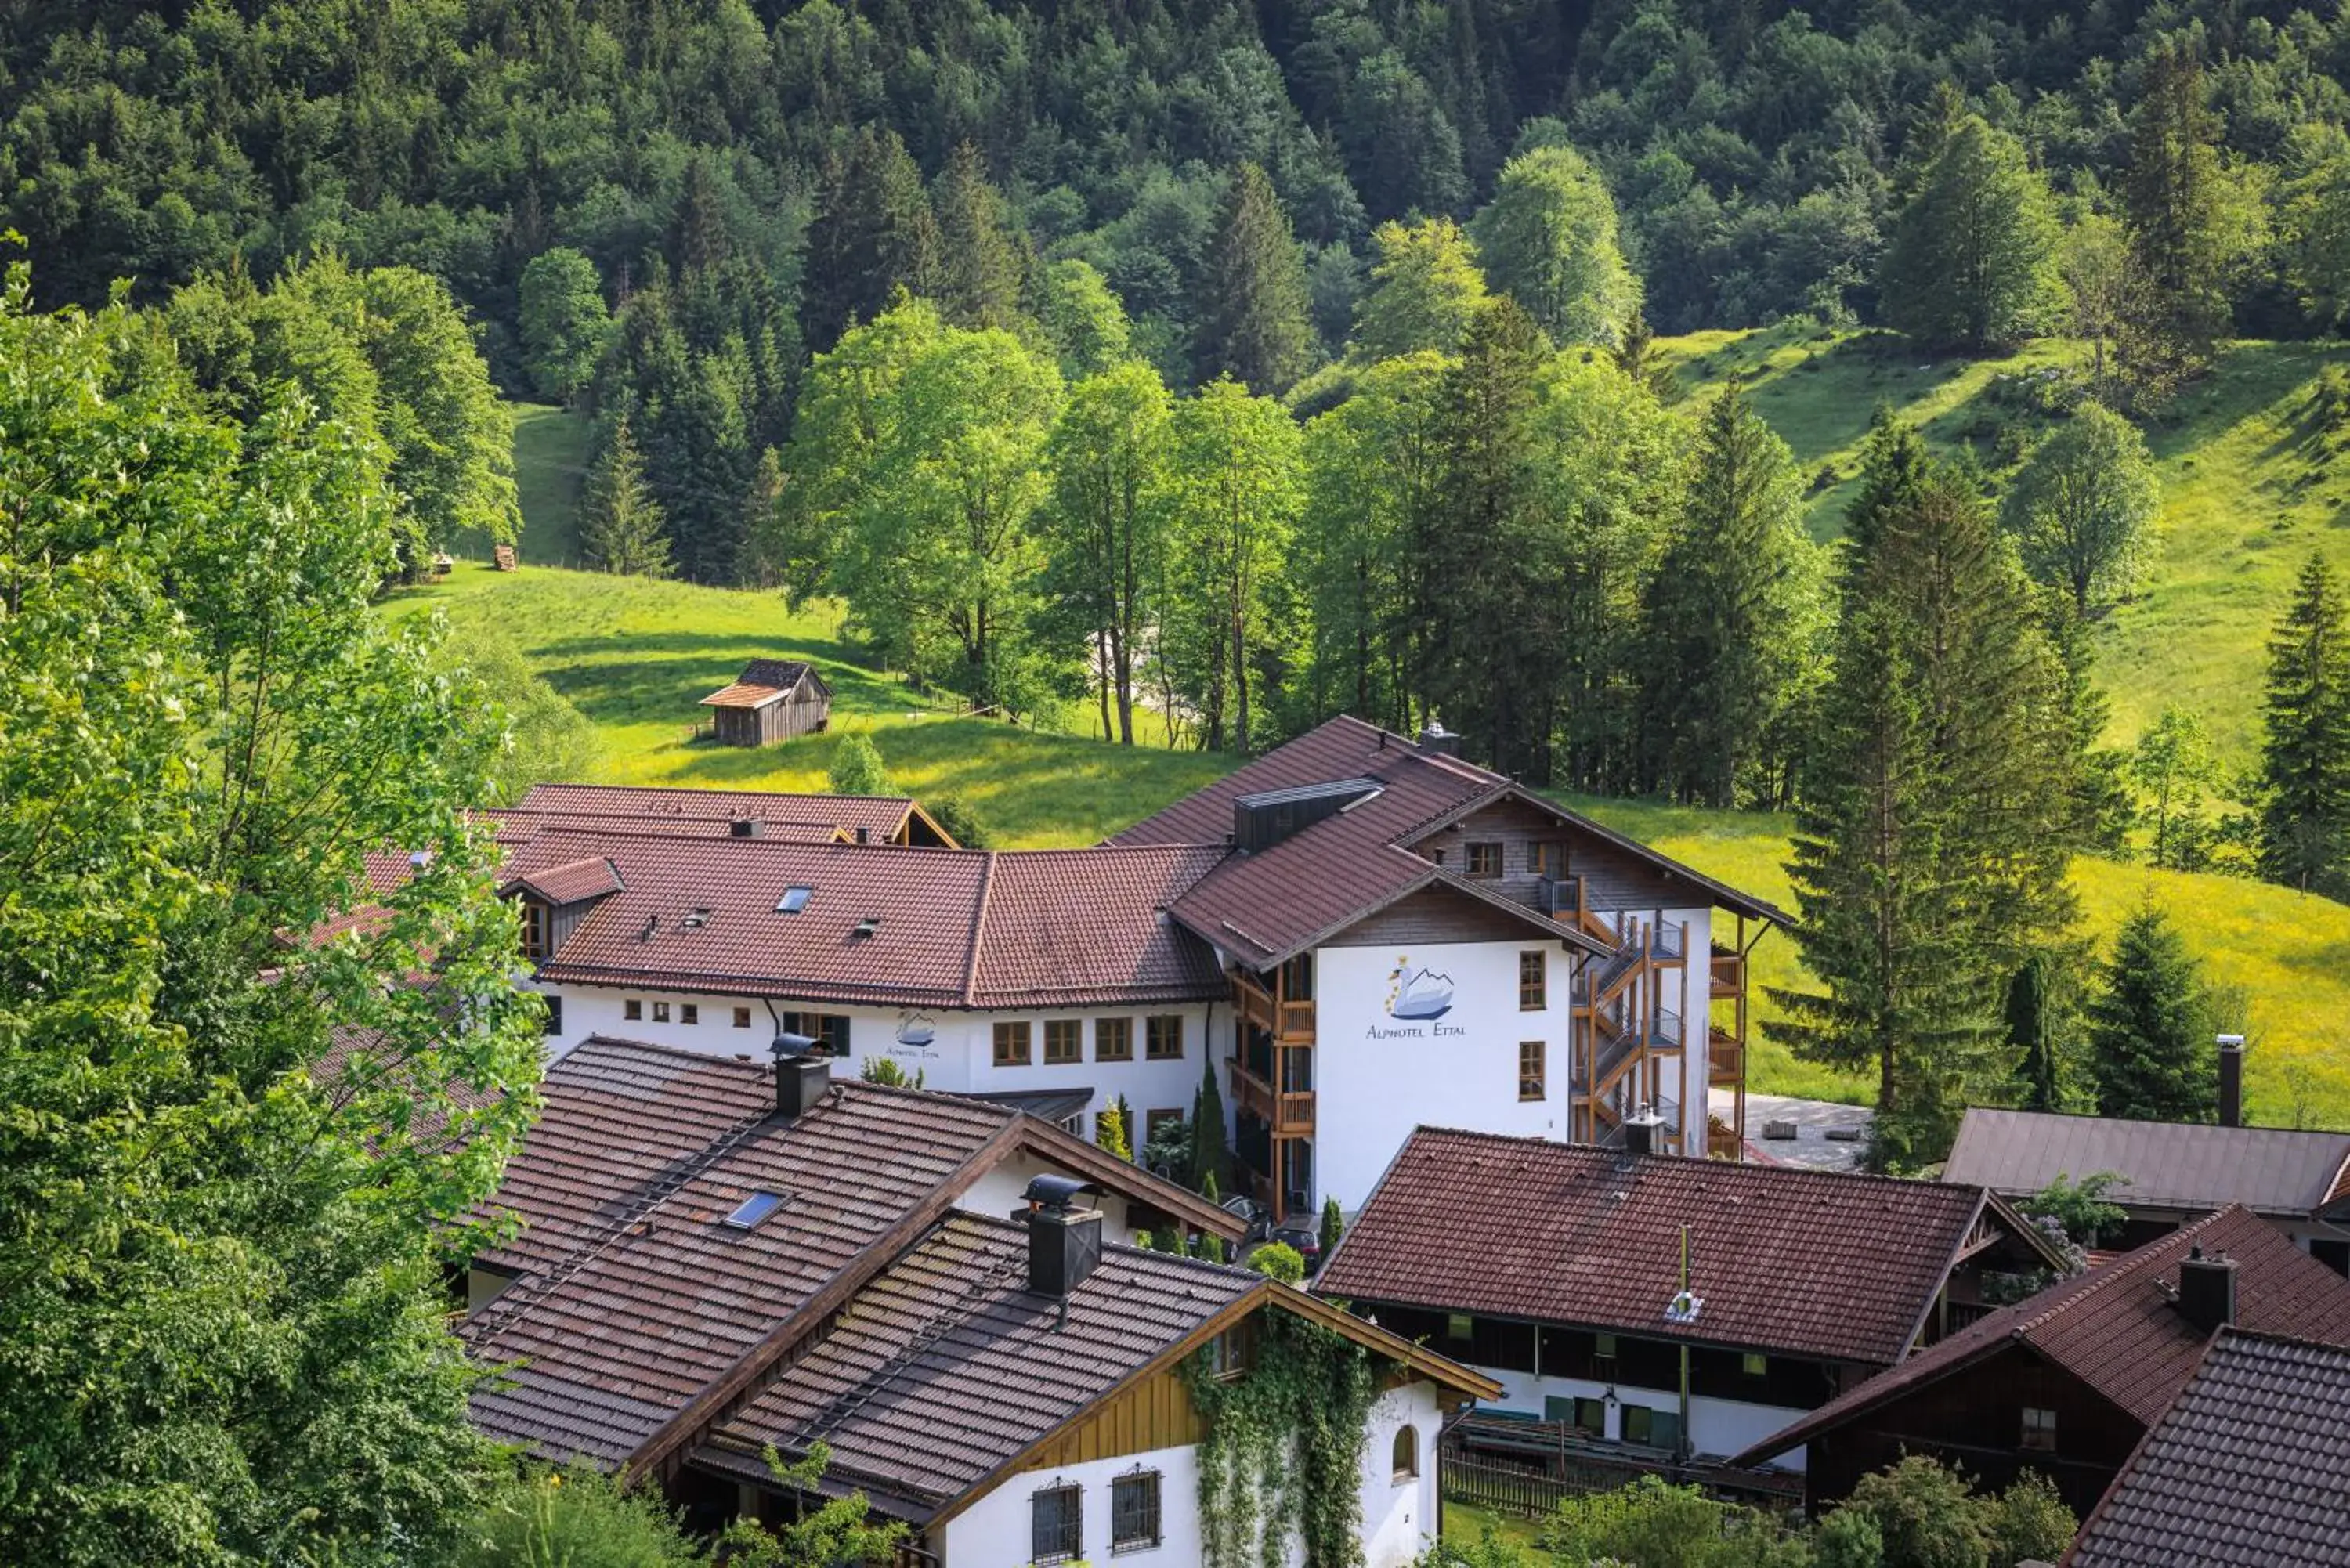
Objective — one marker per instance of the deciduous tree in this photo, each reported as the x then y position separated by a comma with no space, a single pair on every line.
2083,508
1972,260
565,324
1106,525
1426,289
1547,239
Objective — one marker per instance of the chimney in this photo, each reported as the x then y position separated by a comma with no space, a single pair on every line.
2207,1290
1065,1242
801,1077
2231,1080
747,827
1644,1133
1438,741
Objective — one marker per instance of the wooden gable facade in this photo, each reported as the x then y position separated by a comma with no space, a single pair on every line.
772,700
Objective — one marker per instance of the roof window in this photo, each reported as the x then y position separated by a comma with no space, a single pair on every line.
793,900
696,918
753,1211
867,926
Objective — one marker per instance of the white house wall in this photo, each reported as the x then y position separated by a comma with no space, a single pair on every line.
1399,1516
1716,1426
958,1057
1377,1076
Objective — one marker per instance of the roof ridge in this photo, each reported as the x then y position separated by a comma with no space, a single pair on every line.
682,1051
1676,1162
2130,1266
2018,1111
978,931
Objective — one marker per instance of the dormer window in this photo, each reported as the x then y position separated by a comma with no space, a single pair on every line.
533,928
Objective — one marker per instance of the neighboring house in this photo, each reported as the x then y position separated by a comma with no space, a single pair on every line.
2172,1172
1554,1269
2067,1382
1413,939
2249,1467
716,1259
1428,922
772,700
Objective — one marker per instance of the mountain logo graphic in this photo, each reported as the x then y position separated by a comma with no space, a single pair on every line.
1418,994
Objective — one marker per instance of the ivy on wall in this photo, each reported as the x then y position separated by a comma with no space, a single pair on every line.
1284,1448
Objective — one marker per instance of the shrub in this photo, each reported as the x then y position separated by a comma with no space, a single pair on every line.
857,768
579,1519
962,824
1279,1261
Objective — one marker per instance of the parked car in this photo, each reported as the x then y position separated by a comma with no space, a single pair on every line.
1306,1240
1252,1214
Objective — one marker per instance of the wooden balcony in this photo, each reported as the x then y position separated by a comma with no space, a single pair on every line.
1725,1057
1284,1020
1289,1114
1728,971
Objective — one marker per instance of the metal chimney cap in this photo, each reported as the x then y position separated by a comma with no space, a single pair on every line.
788,1043
1055,1193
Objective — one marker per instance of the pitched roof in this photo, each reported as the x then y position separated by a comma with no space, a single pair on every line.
633,1300
946,1367
2249,1467
572,882
766,681
1795,1262
2169,1165
1280,900
881,815
953,928
2114,1328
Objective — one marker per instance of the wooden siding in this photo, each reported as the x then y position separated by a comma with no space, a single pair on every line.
1615,878
1156,1413
805,712
1437,915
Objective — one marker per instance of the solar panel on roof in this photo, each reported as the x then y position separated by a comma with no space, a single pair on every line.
793,900
753,1209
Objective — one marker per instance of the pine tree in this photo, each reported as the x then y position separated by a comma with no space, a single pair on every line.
1929,852
1972,260
2304,780
2179,248
872,236
1255,321
1733,609
620,525
980,270
2151,1052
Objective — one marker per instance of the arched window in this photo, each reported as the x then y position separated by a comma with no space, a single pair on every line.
1407,1453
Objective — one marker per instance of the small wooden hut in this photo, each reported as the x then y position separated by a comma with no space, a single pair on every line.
772,700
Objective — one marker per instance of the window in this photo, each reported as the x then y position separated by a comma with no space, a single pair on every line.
1483,860
1603,1345
1297,979
1164,1043
1159,1125
534,929
1407,1453
793,900
753,1209
660,1012
1113,1039
632,1008
1064,1041
1011,1044
2039,1430
555,1016
689,1012
1652,1428
1231,1353
828,1030
1134,1511
1534,982
2334,1255
1457,1327
1586,1415
1548,860
1530,1070
1755,1364
1056,1524
741,1018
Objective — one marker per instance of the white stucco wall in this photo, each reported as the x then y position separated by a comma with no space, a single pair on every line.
1399,1516
1716,1426
1377,1076
959,1058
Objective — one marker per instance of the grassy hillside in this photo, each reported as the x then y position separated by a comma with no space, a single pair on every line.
550,463
635,656
2249,485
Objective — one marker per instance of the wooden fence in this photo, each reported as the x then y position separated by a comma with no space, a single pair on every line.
1532,1487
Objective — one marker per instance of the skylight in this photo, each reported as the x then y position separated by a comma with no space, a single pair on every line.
793,900
753,1209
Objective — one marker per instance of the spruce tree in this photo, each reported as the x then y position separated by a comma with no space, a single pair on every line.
2305,779
1255,321
2178,306
2151,1051
2031,1017
1732,612
1972,261
620,526
872,236
1930,851
980,265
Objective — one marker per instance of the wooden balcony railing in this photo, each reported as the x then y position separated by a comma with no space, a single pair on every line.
1728,971
1276,1015
1725,1057
1289,1112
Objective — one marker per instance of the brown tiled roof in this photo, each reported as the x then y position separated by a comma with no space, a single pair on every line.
955,928
2169,1165
1795,1261
633,1301
514,826
2249,1467
573,882
881,815
2114,1328
945,1366
1281,901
